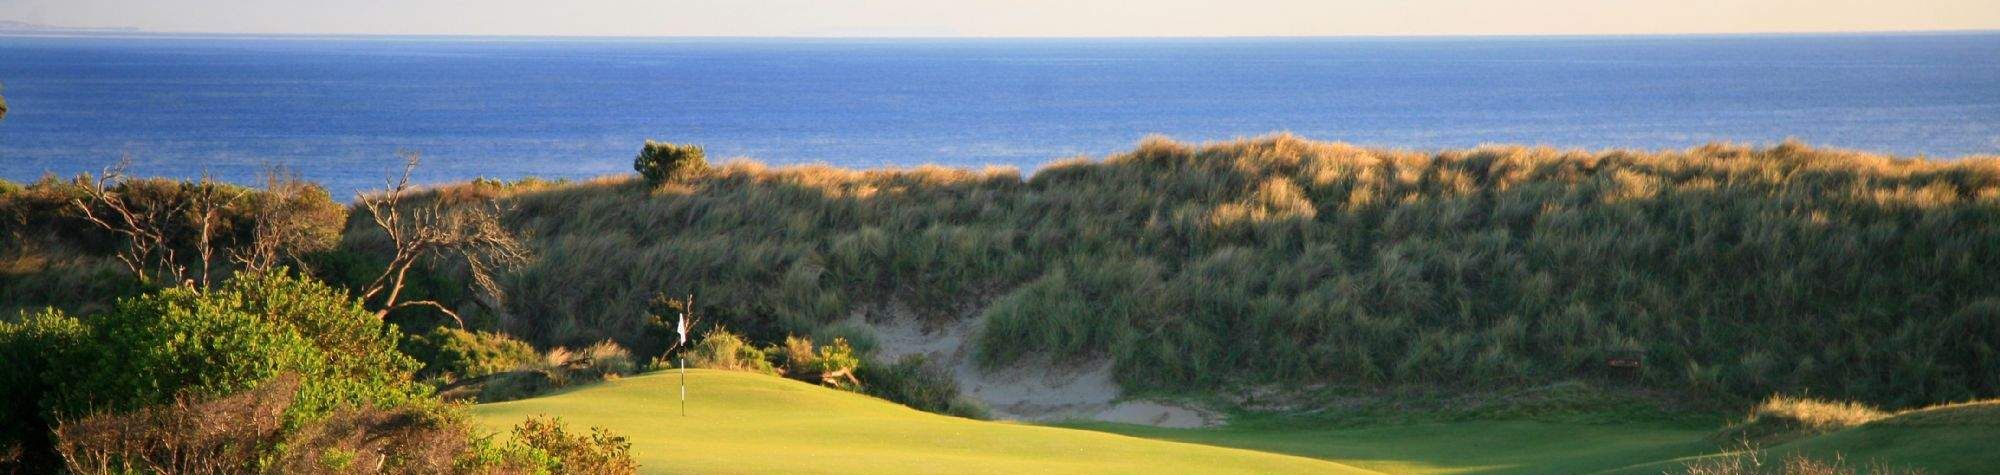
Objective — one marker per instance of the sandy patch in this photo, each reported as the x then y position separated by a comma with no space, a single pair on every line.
1029,390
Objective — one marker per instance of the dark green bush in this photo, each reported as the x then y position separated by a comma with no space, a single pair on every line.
454,353
914,381
184,343
514,385
660,162
28,349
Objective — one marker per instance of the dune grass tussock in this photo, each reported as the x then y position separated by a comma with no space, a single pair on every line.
1725,269
1783,418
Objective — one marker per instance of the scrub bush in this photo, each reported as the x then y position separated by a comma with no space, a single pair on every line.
721,349
661,162
598,453
255,327
456,354
182,344
916,382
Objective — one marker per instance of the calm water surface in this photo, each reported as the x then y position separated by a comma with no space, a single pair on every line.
338,109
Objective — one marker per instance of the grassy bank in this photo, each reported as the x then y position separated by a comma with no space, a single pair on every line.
1727,271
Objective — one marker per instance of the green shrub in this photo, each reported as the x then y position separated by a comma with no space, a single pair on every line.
599,453
721,349
914,381
29,348
513,385
660,162
455,353
181,341
832,364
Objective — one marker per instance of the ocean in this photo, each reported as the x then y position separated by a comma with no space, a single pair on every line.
339,109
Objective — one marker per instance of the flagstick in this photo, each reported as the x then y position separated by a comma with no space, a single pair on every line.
681,327
684,386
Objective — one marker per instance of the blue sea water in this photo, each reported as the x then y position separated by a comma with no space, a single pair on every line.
338,109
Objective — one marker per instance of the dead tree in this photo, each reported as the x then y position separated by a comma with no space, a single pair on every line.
205,201
434,230
292,217
679,308
148,227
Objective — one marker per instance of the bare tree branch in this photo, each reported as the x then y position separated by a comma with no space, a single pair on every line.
433,230
148,254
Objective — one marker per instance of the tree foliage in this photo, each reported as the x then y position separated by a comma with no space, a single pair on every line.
660,162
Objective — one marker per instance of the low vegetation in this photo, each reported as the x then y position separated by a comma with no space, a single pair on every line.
916,382
832,364
660,162
452,353
1782,418
267,373
722,349
1723,271
1714,277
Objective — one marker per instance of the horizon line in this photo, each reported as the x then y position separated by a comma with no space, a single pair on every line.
117,32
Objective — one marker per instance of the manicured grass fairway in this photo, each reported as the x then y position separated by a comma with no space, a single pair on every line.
1965,445
1460,447
748,423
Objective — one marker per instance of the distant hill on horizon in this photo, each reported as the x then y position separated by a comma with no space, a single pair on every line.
12,26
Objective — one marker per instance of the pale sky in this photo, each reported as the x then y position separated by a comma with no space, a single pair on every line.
989,18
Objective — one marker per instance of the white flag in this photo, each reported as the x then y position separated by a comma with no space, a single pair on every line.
681,327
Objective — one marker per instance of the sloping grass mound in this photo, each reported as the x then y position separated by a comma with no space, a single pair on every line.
1781,418
1940,440
1948,439
1725,271
749,423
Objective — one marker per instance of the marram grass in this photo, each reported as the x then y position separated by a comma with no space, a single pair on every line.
1727,270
